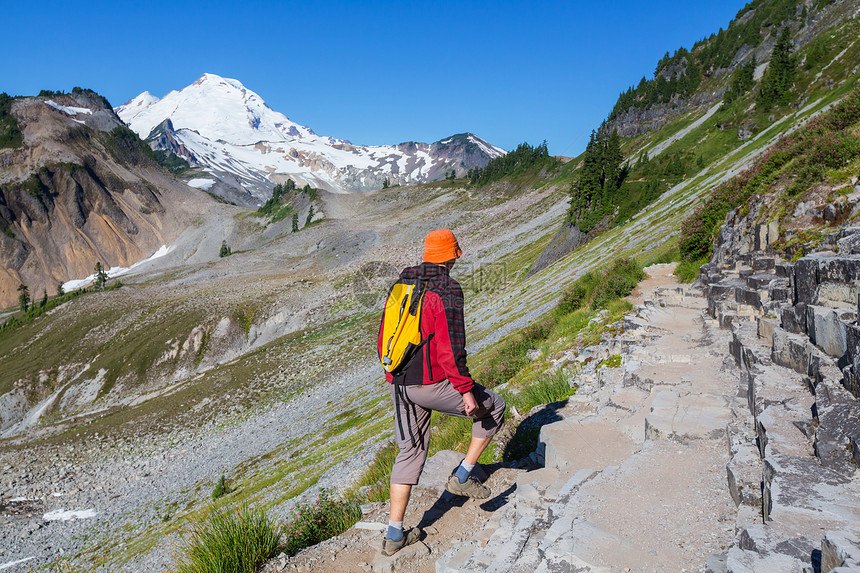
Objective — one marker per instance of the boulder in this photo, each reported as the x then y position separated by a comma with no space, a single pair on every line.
826,330
790,351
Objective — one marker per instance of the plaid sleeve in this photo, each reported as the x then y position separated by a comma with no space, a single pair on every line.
453,303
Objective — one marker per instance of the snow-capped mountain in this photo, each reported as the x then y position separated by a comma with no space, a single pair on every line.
229,131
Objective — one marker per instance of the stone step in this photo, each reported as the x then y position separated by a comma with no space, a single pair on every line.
779,291
761,281
828,328
687,416
747,348
801,498
744,469
783,270
793,351
839,552
572,444
793,318
761,550
827,277
837,431
763,263
764,329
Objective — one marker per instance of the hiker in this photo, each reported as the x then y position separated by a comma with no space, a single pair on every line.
435,377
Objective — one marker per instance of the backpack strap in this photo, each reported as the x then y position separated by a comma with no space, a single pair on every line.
398,388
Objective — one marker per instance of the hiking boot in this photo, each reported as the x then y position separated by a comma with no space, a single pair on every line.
472,488
390,547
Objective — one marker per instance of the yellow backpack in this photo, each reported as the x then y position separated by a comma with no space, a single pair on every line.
401,325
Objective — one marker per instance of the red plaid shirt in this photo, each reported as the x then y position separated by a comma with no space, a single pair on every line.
444,356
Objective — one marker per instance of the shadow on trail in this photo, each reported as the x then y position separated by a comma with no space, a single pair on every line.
446,502
499,500
525,438
521,444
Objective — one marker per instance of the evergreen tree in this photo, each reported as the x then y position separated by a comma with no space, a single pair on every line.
225,249
386,183
44,298
612,158
777,83
742,81
311,215
595,189
24,297
295,222
101,276
60,290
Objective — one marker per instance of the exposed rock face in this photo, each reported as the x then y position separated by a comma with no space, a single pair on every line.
81,189
564,241
639,120
164,137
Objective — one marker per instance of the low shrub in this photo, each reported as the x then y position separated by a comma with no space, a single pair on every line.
617,282
571,300
221,488
310,523
229,540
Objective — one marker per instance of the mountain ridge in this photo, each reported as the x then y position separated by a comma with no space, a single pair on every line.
230,131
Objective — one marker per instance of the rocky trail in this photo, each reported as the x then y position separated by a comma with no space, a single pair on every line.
704,450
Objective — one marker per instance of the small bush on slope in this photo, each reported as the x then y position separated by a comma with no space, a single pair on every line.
311,523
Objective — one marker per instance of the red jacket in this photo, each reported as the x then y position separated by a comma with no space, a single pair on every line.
444,355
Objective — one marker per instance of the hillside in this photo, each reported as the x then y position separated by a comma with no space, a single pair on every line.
710,102
128,405
77,188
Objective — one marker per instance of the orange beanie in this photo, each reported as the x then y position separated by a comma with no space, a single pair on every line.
441,246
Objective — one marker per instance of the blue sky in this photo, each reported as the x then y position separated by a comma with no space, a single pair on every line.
371,72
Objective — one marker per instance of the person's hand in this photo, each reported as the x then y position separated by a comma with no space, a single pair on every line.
469,402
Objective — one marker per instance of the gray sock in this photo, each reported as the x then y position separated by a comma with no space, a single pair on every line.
395,530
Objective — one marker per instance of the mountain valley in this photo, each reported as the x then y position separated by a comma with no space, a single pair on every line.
246,349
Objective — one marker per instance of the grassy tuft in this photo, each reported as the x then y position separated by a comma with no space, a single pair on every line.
547,389
235,540
378,476
687,271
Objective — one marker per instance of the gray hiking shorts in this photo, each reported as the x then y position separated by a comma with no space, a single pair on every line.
416,404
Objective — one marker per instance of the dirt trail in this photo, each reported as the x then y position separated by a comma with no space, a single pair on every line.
653,434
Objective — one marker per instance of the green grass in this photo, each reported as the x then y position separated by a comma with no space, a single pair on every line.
377,477
547,389
669,252
688,271
229,540
37,309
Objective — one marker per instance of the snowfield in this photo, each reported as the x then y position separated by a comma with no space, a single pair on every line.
230,131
